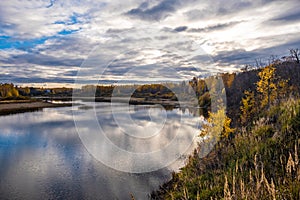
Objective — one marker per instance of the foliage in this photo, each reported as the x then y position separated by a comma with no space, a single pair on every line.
228,79
249,166
227,130
266,85
218,125
248,106
271,89
259,161
8,90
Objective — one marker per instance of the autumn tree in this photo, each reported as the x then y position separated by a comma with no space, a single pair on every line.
218,125
8,90
14,92
228,79
248,106
266,86
227,130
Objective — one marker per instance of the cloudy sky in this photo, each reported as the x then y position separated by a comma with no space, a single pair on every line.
50,41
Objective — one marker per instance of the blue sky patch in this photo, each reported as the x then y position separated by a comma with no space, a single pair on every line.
7,42
67,32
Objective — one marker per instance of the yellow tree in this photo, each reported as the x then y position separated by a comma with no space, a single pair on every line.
266,85
248,106
227,130
218,125
8,90
14,92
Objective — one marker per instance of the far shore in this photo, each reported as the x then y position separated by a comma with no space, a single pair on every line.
20,106
132,101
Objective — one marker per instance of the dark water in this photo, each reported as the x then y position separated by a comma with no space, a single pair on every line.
42,157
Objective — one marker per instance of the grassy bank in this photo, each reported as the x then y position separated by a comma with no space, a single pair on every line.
259,162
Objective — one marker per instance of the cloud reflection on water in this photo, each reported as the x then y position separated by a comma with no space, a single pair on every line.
42,157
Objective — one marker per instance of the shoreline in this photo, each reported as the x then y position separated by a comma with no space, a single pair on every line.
21,106
132,101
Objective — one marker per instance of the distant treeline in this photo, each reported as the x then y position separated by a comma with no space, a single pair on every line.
170,91
10,91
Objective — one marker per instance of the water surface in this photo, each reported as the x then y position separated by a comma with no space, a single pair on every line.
42,157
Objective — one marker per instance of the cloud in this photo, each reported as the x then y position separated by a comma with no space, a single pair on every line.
290,16
180,28
211,10
217,9
27,20
157,12
49,40
45,60
240,57
236,56
117,30
51,3
234,6
216,27
35,74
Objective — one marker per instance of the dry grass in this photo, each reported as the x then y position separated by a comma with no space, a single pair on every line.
259,162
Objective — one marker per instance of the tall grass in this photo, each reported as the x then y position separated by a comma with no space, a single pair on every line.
259,162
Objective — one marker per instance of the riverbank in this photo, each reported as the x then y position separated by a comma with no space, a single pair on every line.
131,101
20,106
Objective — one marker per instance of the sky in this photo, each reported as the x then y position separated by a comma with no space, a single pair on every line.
61,42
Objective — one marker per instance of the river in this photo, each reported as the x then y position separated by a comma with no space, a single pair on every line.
42,156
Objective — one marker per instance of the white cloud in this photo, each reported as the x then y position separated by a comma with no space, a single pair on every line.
72,29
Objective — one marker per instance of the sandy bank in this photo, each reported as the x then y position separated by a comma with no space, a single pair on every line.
12,107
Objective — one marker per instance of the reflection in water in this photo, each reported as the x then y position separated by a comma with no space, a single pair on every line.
42,157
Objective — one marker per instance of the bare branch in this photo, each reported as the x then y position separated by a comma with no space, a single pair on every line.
295,54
